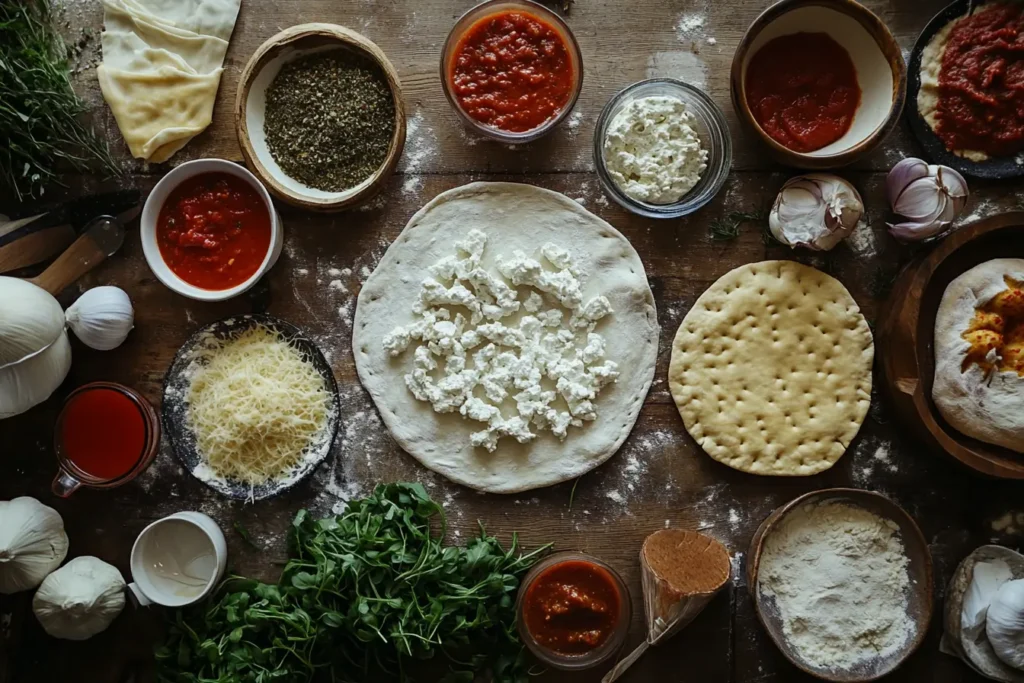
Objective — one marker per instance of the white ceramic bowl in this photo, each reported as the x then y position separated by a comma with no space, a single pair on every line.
881,73
151,213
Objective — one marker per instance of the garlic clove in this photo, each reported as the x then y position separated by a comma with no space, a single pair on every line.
102,318
930,196
816,211
1004,623
913,231
902,174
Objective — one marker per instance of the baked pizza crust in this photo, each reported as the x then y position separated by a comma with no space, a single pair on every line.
771,369
990,409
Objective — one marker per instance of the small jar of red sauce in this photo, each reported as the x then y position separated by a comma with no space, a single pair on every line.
573,611
106,435
511,69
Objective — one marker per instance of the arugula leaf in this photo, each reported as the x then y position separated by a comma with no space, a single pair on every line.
366,596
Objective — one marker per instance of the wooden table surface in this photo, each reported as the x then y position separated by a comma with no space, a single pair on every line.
660,477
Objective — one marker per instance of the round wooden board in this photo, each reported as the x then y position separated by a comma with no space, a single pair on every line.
906,333
934,148
174,408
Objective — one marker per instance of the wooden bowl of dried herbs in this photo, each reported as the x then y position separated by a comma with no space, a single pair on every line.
320,117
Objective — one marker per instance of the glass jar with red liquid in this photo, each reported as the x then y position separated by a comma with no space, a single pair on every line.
106,435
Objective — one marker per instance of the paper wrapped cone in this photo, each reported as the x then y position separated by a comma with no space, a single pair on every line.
681,571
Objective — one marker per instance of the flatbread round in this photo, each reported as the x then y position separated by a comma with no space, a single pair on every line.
513,216
979,401
771,369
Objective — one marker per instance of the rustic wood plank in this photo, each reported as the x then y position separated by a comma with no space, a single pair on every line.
660,476
621,43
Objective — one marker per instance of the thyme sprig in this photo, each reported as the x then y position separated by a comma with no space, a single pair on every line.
728,228
40,114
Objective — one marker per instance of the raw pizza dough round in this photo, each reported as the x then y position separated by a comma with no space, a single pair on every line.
513,216
771,369
989,408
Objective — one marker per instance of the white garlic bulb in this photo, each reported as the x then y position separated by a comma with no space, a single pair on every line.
32,543
102,318
817,211
80,599
986,580
1004,624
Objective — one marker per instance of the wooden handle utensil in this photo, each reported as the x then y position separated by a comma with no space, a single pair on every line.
681,572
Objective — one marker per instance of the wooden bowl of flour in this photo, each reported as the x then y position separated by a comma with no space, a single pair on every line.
906,334
919,568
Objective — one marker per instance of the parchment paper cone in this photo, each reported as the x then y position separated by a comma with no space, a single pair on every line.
681,571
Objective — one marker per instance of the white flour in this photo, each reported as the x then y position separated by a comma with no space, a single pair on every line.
838,575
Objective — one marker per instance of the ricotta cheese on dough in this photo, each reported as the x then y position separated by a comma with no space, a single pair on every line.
652,150
545,360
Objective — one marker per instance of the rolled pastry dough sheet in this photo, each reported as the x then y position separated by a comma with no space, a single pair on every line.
161,69
771,369
988,409
513,216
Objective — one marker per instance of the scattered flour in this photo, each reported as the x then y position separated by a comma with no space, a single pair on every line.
682,65
338,286
572,124
412,185
689,24
616,497
420,144
862,241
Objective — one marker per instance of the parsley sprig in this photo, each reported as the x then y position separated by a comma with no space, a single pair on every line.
367,596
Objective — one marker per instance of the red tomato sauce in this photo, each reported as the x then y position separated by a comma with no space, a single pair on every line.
572,607
512,71
981,83
103,433
214,231
802,90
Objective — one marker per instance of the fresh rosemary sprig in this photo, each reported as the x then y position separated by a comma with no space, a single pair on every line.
728,228
40,113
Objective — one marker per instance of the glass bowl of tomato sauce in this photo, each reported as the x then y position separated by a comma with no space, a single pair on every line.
209,230
512,70
573,611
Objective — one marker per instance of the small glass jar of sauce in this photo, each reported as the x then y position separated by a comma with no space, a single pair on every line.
106,435
573,611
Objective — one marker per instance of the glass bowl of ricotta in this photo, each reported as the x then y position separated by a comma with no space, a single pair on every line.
662,148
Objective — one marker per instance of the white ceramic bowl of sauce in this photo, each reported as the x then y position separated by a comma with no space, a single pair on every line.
151,217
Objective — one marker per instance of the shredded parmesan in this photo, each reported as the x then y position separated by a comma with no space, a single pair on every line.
255,404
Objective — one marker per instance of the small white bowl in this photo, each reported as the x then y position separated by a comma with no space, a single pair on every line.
881,74
151,213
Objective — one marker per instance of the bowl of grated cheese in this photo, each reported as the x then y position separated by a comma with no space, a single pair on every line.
250,406
662,148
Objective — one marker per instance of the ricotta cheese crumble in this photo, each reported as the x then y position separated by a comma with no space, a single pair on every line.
652,151
482,351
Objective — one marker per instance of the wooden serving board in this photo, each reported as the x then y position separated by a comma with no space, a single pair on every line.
906,334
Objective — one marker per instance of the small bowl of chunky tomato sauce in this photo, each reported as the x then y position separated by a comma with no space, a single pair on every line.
511,69
573,611
209,230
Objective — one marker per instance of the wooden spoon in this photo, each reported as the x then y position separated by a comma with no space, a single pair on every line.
681,571
102,237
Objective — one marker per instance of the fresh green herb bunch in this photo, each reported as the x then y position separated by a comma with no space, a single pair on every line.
39,111
366,596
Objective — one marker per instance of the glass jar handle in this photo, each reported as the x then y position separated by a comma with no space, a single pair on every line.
64,484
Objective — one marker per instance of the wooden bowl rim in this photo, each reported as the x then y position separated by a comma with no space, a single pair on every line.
290,38
959,446
890,50
753,562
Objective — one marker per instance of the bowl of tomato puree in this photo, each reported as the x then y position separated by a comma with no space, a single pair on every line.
573,611
822,82
209,230
511,69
